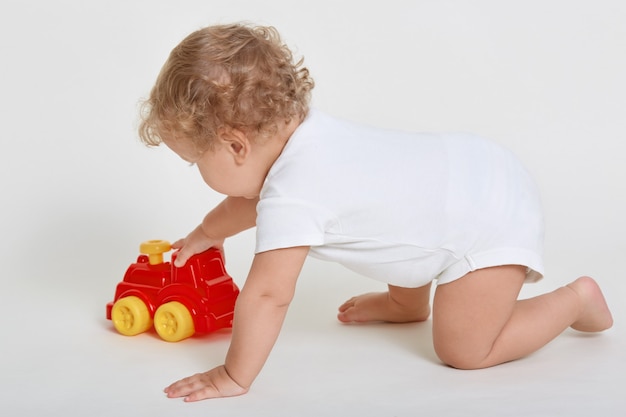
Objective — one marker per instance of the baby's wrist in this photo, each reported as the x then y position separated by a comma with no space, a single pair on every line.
240,385
206,232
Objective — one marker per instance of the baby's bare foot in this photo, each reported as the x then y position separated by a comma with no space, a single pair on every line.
595,315
380,307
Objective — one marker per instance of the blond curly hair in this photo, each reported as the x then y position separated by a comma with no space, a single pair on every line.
221,77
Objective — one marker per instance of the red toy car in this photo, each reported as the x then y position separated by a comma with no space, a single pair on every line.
196,298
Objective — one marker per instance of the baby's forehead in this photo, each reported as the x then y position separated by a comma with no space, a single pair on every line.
186,149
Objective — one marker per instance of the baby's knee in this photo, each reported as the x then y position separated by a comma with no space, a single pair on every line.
460,355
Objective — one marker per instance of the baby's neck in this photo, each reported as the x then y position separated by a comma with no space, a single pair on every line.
269,149
284,133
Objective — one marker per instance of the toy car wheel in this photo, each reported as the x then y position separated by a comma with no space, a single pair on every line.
173,322
130,316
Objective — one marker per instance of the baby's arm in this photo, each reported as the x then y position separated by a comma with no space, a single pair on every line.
231,216
259,314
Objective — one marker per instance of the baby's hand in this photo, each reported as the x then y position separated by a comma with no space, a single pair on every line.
197,241
212,384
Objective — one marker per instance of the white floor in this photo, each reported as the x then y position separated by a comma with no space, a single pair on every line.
61,357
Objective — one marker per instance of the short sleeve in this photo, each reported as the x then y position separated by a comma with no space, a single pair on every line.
287,222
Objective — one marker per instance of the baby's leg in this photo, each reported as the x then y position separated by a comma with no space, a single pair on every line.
478,321
398,305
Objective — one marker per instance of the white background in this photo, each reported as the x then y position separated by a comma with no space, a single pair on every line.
79,193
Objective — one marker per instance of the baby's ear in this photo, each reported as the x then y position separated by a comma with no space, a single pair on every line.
236,146
237,143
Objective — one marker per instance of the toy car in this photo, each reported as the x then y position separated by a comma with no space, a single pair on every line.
198,297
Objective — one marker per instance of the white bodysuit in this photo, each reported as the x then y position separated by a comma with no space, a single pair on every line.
402,208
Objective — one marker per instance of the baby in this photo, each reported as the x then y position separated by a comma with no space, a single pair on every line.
402,208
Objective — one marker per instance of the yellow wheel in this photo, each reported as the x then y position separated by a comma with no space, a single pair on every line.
155,249
173,322
130,316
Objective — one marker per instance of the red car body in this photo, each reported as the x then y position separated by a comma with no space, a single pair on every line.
202,286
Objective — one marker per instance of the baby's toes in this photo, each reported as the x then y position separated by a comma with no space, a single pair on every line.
348,304
348,314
